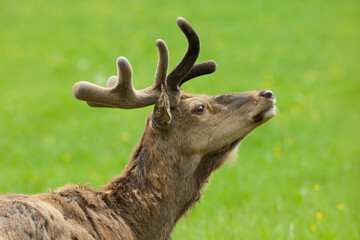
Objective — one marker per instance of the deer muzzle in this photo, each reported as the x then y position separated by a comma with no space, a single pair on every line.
258,104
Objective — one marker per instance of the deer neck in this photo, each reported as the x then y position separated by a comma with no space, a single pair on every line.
156,188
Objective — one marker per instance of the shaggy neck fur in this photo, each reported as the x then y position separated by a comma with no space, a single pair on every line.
157,187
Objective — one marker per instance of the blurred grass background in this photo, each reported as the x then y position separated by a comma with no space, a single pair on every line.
296,177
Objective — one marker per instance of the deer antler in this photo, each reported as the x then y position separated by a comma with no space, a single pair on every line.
120,92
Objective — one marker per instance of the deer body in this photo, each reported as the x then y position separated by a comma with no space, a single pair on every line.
71,212
186,138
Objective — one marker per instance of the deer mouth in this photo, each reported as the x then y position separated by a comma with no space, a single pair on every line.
265,114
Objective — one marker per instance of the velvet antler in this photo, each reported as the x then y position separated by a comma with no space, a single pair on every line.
120,92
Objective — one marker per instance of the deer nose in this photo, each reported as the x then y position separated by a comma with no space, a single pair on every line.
267,94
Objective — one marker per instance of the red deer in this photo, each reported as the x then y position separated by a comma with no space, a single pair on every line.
186,138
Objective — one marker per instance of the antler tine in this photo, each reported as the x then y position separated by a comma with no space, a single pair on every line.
124,85
185,65
163,63
100,96
120,92
200,69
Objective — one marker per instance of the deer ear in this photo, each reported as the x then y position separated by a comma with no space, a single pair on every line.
161,116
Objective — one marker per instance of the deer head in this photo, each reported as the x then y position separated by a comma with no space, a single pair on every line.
186,136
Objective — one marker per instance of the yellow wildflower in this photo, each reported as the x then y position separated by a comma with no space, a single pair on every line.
340,206
319,215
277,150
313,228
125,136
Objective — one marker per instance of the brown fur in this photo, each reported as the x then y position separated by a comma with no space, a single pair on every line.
163,179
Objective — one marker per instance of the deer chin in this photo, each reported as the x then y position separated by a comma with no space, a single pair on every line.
265,114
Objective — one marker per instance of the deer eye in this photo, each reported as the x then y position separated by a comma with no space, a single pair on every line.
199,109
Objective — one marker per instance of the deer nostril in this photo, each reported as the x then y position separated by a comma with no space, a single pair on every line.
267,94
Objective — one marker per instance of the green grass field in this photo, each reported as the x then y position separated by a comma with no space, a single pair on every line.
296,177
